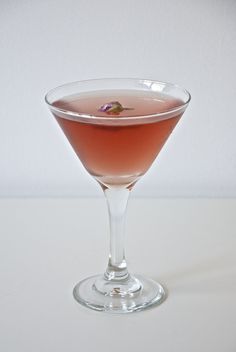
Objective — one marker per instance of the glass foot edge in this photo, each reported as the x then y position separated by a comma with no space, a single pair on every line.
151,294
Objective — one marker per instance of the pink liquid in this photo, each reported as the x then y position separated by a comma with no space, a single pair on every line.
118,152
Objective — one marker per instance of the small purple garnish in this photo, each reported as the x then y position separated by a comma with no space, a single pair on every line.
114,107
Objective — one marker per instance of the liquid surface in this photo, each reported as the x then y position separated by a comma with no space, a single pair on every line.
117,155
138,103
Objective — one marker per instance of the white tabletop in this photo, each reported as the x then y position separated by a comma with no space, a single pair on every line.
48,245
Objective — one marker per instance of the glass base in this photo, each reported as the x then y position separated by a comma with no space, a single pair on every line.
119,296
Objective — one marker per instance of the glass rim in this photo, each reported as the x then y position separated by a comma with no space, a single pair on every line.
100,118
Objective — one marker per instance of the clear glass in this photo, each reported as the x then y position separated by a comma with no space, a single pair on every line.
117,291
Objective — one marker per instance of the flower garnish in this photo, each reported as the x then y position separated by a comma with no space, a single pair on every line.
114,107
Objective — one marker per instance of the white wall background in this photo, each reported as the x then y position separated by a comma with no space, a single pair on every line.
50,42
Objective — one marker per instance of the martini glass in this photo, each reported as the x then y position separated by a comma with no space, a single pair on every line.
117,127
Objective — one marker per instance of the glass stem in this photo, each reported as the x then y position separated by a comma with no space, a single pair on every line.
117,202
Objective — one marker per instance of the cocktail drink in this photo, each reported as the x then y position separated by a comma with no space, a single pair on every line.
117,127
